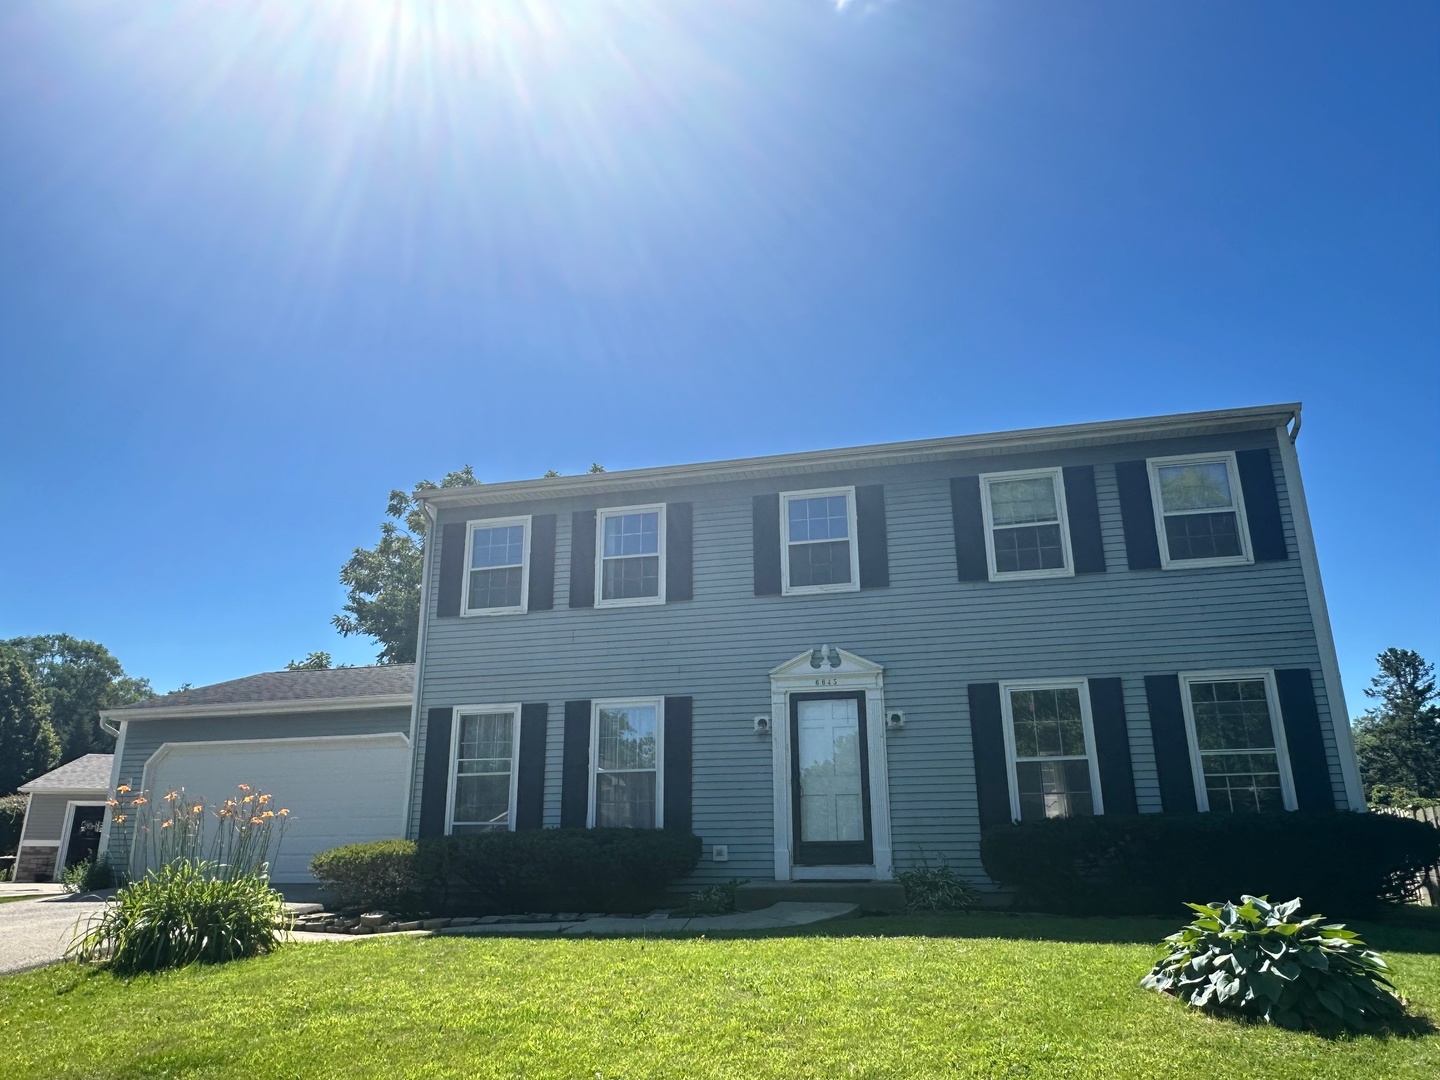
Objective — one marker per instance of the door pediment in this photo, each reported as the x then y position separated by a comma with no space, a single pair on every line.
853,672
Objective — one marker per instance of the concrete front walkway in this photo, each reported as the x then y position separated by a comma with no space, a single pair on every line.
783,916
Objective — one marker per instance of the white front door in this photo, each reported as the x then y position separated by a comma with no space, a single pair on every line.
831,818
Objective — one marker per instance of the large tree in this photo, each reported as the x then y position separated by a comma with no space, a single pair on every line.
384,581
79,678
28,745
1398,741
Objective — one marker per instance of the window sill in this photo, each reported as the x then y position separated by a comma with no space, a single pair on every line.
639,601
820,590
492,611
1030,575
1190,564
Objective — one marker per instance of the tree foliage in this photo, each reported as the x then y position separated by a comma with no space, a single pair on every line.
315,661
1398,741
384,581
28,744
78,679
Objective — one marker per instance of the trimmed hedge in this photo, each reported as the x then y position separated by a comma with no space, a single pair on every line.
1345,864
497,873
377,876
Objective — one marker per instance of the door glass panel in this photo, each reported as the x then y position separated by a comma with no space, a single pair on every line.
831,802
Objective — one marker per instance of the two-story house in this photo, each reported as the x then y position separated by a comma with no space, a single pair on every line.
827,663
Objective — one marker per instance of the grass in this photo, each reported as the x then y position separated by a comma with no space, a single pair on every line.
13,899
981,996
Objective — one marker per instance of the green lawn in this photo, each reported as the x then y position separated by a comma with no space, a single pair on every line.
984,995
12,899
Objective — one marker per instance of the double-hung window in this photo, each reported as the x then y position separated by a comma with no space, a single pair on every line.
627,755
1237,745
1026,533
818,542
630,553
1199,510
1050,742
497,558
484,743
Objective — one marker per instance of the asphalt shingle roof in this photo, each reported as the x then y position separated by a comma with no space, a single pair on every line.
88,773
287,686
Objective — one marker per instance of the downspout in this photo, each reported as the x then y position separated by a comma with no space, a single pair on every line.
419,662
109,726
1320,616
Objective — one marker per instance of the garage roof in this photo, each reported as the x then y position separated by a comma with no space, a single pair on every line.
88,773
333,688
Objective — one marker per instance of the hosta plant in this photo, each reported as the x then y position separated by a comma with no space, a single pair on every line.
1266,962
936,888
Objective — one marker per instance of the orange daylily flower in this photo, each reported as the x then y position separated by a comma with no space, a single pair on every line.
112,802
247,798
243,787
196,808
166,824
265,798
256,821
172,796
268,814
284,813
139,800
119,818
123,788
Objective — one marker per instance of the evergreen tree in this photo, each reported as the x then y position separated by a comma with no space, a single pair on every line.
28,744
1398,741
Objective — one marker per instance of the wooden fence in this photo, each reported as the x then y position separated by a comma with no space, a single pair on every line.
1430,885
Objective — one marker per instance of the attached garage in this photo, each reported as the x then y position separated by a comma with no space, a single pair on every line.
333,747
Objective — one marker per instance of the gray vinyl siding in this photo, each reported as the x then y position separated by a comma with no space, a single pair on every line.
144,737
45,816
933,634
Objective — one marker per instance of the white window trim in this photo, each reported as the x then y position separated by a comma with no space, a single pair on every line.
621,511
1081,685
1277,728
1237,496
513,708
1057,477
496,523
786,498
615,703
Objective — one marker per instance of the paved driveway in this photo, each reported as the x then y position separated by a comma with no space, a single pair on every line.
36,932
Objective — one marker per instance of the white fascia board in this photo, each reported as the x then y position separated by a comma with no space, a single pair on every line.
261,708
1031,439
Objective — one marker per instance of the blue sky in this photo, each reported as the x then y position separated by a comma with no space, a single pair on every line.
261,262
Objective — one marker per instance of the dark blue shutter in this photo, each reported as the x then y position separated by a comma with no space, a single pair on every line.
452,571
435,780
969,525
582,559
1262,505
530,783
870,535
1137,515
1308,766
678,741
1172,746
1083,510
987,740
679,551
542,562
765,543
575,766
1112,745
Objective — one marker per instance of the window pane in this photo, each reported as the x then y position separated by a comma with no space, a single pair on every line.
1036,547
820,564
1021,502
495,588
627,738
1242,782
485,735
1047,723
1053,789
625,800
1232,715
1202,536
483,800
831,784
504,546
632,534
825,518
1195,487
626,579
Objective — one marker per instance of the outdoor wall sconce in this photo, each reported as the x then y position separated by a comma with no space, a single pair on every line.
762,725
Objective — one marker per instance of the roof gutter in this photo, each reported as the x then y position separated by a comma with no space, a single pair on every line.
254,708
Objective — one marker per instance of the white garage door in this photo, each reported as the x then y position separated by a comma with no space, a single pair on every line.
339,790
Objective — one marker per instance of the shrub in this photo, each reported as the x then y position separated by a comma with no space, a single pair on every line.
183,914
12,817
378,876
936,888
1153,863
714,899
88,875
1256,960
553,869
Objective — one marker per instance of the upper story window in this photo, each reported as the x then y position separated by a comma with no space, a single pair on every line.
818,542
483,768
1025,527
499,556
1199,511
626,764
630,556
1050,742
1237,748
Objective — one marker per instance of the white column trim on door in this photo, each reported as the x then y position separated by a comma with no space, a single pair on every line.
64,843
853,673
